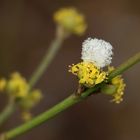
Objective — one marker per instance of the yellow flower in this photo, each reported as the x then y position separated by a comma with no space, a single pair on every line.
30,100
17,86
71,20
120,86
88,74
119,83
26,116
2,84
35,96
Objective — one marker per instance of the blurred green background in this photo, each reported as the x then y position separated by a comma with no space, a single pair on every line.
26,29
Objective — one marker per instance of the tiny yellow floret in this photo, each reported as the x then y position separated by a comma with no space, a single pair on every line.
35,96
26,116
31,99
71,20
88,74
2,84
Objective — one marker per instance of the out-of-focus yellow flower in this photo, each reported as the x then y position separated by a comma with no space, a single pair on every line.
71,20
88,74
28,102
31,100
17,86
35,96
2,84
120,86
26,116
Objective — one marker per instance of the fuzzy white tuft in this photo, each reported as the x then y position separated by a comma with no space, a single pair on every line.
97,51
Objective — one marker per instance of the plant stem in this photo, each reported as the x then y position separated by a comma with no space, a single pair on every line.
50,54
126,65
10,34
9,109
68,102
43,117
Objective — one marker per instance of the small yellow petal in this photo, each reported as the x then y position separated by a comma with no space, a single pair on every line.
100,78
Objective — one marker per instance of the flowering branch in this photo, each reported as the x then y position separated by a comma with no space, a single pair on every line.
68,102
54,47
64,29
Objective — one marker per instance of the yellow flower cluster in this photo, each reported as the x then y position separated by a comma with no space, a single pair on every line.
31,100
17,88
120,86
88,74
28,102
70,20
119,83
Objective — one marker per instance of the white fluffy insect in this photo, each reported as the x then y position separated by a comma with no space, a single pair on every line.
97,51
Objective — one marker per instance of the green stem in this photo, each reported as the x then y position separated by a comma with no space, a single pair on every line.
68,102
126,65
10,34
50,54
43,117
9,109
